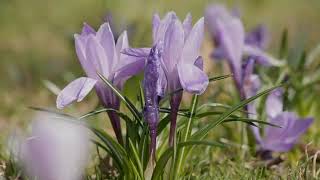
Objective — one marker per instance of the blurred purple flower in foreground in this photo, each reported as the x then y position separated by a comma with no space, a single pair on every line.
151,94
97,52
58,148
180,58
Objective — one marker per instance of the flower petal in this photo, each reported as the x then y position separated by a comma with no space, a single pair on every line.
187,25
96,55
136,52
199,63
173,45
155,25
161,30
258,37
261,57
274,105
122,43
87,65
232,40
282,139
191,49
129,69
106,39
75,91
87,29
192,79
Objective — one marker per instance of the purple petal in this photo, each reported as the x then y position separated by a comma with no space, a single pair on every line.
87,29
191,49
87,65
128,70
282,139
122,43
173,45
232,40
96,54
199,63
212,14
161,30
136,52
274,105
106,39
162,83
192,79
261,57
155,25
258,37
187,25
75,91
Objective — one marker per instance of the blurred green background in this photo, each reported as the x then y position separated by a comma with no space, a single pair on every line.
36,40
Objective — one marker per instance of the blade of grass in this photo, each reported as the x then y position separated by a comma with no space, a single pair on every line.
127,102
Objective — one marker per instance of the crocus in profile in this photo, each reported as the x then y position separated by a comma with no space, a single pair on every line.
231,42
98,53
152,94
181,61
58,148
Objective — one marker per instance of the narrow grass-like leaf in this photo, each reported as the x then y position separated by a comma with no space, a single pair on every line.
205,130
50,111
164,159
136,159
225,106
185,136
248,120
127,102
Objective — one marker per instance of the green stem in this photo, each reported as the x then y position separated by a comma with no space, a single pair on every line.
186,135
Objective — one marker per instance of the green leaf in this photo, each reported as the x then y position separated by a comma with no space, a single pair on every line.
218,105
205,130
164,159
284,44
250,121
127,102
50,111
136,159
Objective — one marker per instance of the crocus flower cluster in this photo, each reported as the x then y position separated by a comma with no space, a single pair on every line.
242,51
58,148
181,63
98,53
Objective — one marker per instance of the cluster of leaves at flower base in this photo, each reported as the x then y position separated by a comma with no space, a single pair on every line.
132,159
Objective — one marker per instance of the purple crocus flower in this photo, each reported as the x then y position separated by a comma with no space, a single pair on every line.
180,58
97,52
58,148
151,94
292,127
276,139
232,44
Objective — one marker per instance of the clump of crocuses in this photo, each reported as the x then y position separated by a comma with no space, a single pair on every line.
181,63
